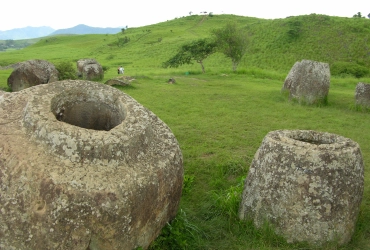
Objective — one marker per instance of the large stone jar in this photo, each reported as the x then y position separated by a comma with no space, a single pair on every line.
84,166
32,72
90,69
307,184
308,82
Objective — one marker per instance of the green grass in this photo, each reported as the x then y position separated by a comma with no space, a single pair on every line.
220,118
220,122
4,74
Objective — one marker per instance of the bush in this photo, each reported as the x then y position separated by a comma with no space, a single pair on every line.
122,40
66,70
348,68
294,29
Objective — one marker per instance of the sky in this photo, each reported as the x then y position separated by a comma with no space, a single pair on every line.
135,13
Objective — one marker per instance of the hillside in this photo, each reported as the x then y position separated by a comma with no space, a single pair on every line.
280,42
274,44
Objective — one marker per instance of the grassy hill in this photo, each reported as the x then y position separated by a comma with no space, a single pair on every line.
221,117
274,45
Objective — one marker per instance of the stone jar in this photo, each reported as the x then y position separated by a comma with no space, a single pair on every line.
307,184
362,94
90,69
32,72
308,82
84,166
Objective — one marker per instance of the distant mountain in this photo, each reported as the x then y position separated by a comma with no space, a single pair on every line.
82,29
25,33
36,32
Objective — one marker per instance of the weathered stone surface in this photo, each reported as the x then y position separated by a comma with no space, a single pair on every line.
82,62
362,94
307,184
120,81
31,73
90,69
84,166
308,82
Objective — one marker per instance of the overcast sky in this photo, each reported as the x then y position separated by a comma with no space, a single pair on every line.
135,13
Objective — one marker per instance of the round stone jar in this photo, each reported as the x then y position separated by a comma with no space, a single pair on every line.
307,184
84,166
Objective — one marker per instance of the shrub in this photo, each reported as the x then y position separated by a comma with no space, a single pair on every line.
66,70
120,41
348,68
123,40
294,29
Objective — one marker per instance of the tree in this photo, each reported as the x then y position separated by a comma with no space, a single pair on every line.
358,15
194,51
232,42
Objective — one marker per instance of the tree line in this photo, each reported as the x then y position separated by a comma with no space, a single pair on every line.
359,15
11,44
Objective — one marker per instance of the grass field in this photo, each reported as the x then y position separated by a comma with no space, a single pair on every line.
220,122
219,119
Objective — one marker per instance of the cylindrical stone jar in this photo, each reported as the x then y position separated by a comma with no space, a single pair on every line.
308,185
362,94
84,166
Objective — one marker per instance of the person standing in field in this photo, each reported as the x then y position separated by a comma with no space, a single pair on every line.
121,70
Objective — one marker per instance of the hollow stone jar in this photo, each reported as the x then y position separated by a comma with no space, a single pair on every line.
84,166
307,184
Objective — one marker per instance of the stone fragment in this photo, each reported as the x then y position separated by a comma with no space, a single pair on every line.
120,81
171,80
